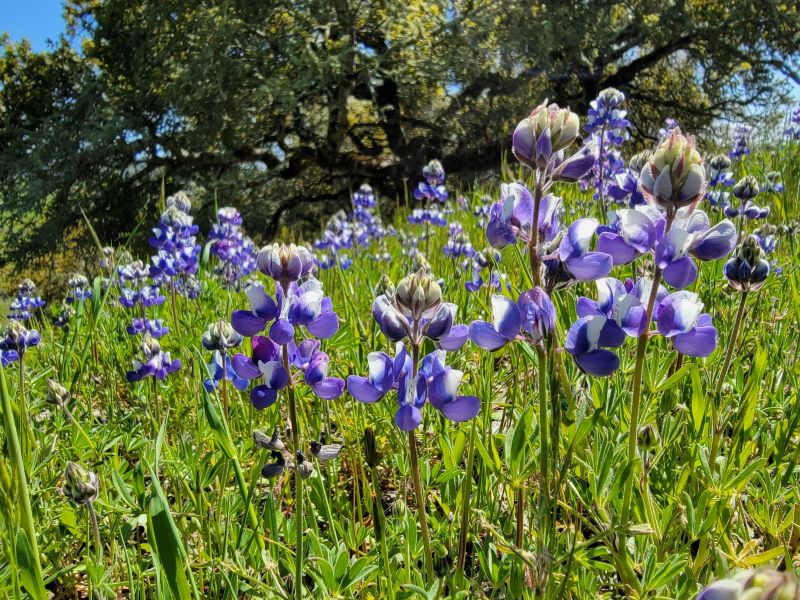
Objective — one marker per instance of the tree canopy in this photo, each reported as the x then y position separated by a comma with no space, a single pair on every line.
282,107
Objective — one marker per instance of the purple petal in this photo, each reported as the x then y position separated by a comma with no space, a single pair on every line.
599,363
246,323
244,367
484,335
716,242
263,397
700,342
591,266
408,417
281,332
362,390
455,339
329,388
462,408
615,246
680,273
324,326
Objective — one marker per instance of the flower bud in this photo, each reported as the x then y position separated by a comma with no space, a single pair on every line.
674,176
221,336
746,188
433,173
748,268
546,131
638,161
56,393
648,437
370,450
80,486
180,200
538,313
285,264
418,295
18,337
385,286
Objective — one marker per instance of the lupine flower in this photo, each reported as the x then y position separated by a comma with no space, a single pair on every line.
609,129
747,270
719,172
156,363
78,288
107,258
746,189
533,313
220,336
416,311
792,131
741,140
80,486
364,196
546,131
63,316
285,264
766,584
174,239
571,260
692,236
26,301
774,183
458,244
218,372
674,177
669,126
434,217
17,339
432,188
511,218
631,233
153,327
487,260
235,251
679,317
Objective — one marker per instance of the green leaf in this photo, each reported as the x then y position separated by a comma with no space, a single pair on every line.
29,573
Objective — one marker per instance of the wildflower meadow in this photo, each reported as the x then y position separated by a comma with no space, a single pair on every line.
580,381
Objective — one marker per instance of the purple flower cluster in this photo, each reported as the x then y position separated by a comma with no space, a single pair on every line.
235,251
435,217
741,142
25,302
136,290
620,312
670,125
78,289
299,303
15,341
532,316
337,236
792,131
609,130
176,258
412,312
458,244
746,190
485,263
432,188
154,362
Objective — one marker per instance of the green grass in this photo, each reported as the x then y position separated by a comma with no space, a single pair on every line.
183,510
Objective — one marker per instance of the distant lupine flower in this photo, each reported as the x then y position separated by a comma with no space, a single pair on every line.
80,486
432,188
692,236
609,129
631,233
56,393
235,251
719,172
107,258
26,301
482,210
674,176
285,264
63,316
533,314
669,126
434,217
741,141
155,362
458,244
624,188
218,372
17,339
174,239
364,196
746,189
78,288
754,585
485,261
153,327
747,270
792,131
220,336
337,236
570,260
774,183
181,201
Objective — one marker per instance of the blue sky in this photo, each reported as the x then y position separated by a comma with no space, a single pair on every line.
36,20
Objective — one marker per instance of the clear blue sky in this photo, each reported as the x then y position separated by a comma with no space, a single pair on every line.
36,20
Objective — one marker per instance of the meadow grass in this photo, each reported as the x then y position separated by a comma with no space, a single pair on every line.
183,510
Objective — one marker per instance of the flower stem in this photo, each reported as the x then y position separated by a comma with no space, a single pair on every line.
466,492
298,483
95,531
418,495
14,449
716,429
544,456
533,246
24,417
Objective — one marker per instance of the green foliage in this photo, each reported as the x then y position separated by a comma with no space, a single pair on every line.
284,107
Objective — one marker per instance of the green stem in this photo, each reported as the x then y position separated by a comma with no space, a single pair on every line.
298,484
380,529
95,531
544,449
466,492
22,480
716,429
